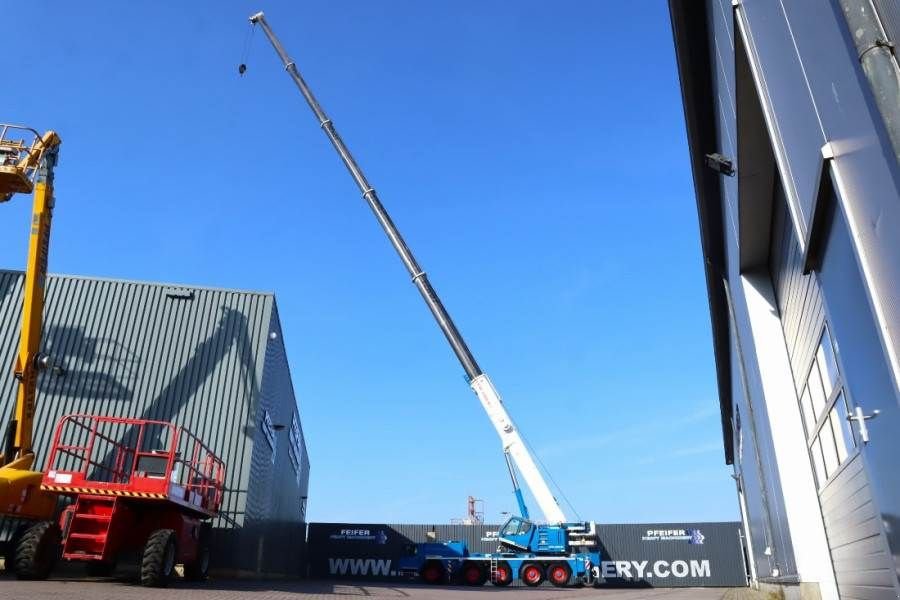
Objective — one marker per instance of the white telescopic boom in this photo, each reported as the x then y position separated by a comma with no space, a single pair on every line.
481,385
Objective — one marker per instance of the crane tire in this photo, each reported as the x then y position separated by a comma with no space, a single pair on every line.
531,574
158,558
198,569
559,574
432,572
504,575
37,551
473,574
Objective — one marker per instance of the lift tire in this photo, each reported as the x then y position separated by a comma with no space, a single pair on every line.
504,575
158,558
198,569
473,574
432,572
37,551
531,574
559,574
100,568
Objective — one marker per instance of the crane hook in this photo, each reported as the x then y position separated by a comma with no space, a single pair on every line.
242,68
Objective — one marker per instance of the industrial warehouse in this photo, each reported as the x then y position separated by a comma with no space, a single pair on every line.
212,360
731,442
794,148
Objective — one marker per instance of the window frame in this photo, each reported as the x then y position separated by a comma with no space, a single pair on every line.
823,418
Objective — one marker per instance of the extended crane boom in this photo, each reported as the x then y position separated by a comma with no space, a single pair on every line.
513,445
28,167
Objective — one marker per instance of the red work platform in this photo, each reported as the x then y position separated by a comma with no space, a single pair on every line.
134,458
137,484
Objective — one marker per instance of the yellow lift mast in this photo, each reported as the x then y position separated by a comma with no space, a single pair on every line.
26,166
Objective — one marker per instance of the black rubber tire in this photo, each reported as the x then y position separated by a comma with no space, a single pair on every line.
433,572
473,574
158,558
531,582
503,582
551,573
198,569
37,551
100,568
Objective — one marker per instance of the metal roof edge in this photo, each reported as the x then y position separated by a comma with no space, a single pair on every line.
161,284
690,36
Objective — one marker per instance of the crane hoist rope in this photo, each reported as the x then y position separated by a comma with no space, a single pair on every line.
513,445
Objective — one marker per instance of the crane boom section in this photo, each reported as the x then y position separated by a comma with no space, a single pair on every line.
26,368
480,383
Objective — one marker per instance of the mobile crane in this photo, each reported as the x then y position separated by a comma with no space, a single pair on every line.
26,166
558,550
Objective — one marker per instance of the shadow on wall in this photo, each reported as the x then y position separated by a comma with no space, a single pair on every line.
101,356
109,356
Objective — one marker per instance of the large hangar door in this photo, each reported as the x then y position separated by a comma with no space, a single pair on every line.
818,350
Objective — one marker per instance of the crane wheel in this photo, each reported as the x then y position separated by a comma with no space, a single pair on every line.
198,569
37,551
531,574
158,558
559,574
473,574
503,576
432,572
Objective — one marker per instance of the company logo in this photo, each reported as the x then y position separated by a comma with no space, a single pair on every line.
359,566
360,535
691,536
660,569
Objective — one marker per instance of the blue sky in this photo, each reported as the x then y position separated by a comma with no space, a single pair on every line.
532,153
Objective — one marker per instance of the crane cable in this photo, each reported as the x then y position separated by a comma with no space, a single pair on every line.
248,40
549,475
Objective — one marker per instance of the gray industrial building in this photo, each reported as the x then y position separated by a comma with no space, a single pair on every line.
793,120
211,360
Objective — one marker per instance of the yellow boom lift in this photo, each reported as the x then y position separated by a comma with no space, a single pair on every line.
26,166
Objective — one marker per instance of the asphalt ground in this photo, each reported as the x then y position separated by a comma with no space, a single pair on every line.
126,589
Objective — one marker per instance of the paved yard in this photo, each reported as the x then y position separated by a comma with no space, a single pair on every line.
78,589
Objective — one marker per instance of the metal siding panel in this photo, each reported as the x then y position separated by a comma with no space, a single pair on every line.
854,528
129,350
787,100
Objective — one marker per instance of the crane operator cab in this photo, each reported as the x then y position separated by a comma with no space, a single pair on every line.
523,535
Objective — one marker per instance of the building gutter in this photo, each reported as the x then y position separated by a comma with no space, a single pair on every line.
875,52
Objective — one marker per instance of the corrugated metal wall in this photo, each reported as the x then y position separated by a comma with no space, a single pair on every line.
193,356
275,517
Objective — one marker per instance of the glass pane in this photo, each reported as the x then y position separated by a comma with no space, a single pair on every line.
839,440
809,416
827,363
816,451
815,390
828,449
841,424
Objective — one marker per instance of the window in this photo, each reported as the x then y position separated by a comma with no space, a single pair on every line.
295,450
824,407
